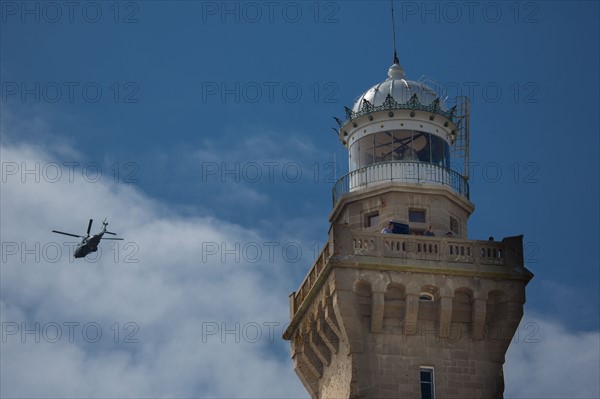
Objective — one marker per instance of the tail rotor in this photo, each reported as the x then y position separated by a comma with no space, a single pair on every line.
104,224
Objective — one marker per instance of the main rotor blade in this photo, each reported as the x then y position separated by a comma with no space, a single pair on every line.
67,234
108,232
110,238
89,227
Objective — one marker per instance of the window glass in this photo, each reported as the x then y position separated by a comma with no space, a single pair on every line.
425,375
366,151
403,147
383,147
354,156
421,144
372,219
437,150
447,154
427,387
416,215
399,145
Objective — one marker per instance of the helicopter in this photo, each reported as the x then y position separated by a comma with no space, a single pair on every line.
89,243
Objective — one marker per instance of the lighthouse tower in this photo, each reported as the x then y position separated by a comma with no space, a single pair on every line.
400,302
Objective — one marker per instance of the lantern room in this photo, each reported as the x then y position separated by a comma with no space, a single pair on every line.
401,130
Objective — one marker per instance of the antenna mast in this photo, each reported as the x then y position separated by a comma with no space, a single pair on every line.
396,61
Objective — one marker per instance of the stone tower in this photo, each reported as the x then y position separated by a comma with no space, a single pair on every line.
411,309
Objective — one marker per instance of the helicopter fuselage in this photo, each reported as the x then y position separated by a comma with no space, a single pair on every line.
88,245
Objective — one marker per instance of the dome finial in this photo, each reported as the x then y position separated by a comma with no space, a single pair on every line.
396,72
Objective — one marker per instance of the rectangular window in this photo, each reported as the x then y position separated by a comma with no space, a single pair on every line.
372,219
427,383
416,215
454,225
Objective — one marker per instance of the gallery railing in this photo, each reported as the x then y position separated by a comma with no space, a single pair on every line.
402,172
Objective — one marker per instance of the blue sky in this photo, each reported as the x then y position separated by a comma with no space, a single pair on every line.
198,127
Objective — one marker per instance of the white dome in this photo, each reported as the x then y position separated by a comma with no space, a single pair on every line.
400,89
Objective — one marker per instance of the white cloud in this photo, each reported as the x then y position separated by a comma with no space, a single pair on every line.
170,297
545,360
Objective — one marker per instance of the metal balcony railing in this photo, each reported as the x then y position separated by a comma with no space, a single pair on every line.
402,172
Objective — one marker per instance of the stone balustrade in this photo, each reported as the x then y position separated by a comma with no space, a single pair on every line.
452,253
429,248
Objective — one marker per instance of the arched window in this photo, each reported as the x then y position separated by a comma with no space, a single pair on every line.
425,296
